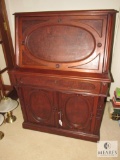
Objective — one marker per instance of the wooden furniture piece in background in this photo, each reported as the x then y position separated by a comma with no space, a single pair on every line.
62,72
8,51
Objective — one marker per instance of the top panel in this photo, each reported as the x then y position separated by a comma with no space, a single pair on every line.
68,41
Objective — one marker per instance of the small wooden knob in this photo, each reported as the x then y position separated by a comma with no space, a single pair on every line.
99,44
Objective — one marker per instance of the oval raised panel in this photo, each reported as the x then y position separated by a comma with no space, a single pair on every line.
40,106
77,110
60,43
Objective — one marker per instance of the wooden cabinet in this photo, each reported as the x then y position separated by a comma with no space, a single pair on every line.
70,111
62,71
61,105
64,112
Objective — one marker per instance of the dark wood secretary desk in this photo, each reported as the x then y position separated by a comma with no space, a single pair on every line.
62,72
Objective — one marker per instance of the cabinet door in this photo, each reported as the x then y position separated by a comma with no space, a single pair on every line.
39,106
76,112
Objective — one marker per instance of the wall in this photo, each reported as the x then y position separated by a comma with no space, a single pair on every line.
47,5
5,77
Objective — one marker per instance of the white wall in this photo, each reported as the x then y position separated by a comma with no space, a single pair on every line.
5,77
48,5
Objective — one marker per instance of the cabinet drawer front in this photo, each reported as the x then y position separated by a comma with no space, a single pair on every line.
60,83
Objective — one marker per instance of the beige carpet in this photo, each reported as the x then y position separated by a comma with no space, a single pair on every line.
23,144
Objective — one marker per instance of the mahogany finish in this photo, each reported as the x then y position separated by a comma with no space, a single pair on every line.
62,70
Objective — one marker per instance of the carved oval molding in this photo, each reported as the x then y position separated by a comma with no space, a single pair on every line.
79,107
60,43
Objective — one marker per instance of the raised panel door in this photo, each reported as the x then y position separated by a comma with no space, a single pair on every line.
39,105
76,112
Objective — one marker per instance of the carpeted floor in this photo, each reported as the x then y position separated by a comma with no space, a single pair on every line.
23,144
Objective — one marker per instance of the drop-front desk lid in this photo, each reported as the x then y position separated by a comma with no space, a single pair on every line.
78,41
